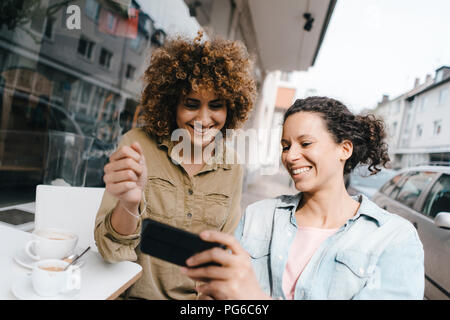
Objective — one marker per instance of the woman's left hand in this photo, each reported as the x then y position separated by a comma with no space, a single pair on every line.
234,279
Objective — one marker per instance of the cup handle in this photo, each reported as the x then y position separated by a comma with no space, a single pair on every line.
28,249
73,279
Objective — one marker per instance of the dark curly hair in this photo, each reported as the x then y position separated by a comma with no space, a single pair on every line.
182,65
366,132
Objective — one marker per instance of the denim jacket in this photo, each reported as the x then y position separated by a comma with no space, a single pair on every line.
375,255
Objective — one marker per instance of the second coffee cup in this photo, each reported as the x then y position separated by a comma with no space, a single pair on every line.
51,243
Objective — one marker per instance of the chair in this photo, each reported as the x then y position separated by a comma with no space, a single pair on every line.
71,208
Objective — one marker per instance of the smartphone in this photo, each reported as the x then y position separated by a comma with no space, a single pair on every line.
171,244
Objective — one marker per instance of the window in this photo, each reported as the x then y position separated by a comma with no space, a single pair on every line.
439,75
419,130
86,92
437,127
443,96
438,199
148,26
423,104
105,58
413,186
92,9
48,32
397,106
394,129
85,48
389,186
130,72
135,43
37,23
111,21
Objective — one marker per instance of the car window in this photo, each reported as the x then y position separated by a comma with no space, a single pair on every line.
389,186
438,199
413,186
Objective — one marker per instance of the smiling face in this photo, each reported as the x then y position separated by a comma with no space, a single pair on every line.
202,114
310,154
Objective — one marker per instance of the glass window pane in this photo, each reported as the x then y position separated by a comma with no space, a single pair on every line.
92,9
60,85
413,187
389,186
438,199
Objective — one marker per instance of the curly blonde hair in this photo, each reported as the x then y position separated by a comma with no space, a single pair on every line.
182,65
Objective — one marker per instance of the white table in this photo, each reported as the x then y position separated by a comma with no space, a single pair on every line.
99,280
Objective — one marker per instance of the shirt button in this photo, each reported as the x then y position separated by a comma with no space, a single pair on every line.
302,294
361,271
189,215
280,257
190,191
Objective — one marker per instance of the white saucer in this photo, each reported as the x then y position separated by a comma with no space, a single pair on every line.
23,259
23,290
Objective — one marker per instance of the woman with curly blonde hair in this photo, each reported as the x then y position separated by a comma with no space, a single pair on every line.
201,89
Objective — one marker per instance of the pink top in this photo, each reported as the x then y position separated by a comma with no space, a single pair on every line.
306,242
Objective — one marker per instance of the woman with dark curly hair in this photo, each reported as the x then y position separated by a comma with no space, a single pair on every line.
194,91
321,243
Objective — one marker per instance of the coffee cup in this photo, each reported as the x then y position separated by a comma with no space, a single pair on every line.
51,243
49,278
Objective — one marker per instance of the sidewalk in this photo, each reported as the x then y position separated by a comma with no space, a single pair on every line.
267,186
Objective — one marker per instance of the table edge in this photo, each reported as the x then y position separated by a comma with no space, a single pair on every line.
122,289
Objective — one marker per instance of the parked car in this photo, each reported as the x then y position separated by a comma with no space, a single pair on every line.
362,181
422,196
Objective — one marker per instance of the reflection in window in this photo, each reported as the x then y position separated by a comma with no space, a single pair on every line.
85,48
48,86
105,58
92,9
438,199
413,187
37,23
130,72
48,32
136,43
111,22
389,186
86,93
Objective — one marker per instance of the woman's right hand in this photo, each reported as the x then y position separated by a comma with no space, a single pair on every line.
126,175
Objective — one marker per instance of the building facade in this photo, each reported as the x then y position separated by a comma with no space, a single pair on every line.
418,122
283,36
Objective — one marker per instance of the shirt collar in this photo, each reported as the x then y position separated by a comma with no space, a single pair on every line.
289,201
366,208
370,209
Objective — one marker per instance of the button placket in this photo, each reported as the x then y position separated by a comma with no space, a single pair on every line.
189,200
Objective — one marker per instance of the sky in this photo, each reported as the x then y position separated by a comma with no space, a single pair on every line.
171,15
376,47
371,47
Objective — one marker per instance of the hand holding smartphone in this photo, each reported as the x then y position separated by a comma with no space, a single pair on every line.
171,244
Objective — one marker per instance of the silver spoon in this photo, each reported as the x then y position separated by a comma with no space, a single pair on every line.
73,261
71,257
